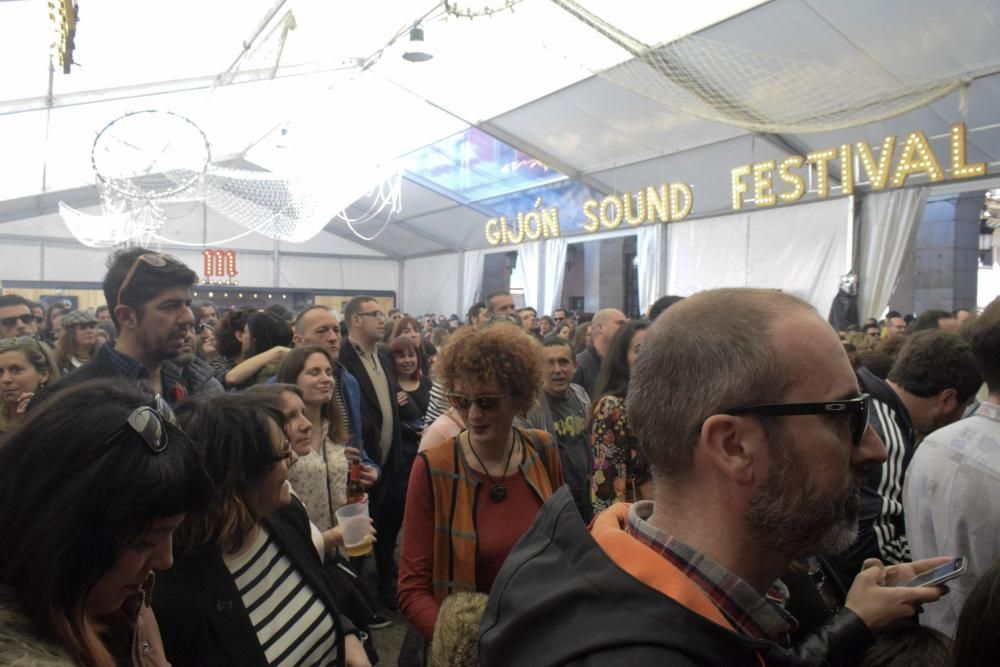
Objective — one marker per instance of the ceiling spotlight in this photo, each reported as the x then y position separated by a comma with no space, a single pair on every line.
417,53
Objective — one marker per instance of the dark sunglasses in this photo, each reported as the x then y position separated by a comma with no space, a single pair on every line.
149,424
27,318
154,259
856,408
485,403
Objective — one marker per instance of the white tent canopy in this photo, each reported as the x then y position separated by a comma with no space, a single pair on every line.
510,108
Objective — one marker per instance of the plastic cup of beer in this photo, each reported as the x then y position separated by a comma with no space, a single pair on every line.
353,519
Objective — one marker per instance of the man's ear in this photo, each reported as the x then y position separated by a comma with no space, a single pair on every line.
732,444
126,316
947,400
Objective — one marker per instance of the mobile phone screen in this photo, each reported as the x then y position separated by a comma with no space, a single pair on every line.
940,572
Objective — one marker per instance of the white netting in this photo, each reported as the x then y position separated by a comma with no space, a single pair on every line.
759,91
148,162
287,208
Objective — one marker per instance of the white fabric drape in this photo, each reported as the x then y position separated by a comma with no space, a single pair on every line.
555,269
889,222
651,246
472,278
802,250
530,257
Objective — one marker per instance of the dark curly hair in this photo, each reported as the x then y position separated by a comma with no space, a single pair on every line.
503,354
225,336
932,361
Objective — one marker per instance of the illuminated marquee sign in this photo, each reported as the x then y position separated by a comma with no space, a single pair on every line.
761,184
220,267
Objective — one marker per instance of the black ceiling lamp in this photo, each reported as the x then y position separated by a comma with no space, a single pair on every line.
417,50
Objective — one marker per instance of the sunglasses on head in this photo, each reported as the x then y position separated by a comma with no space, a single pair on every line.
154,259
855,408
485,403
27,318
149,423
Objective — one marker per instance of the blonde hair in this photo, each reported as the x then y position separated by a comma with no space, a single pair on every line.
455,642
38,356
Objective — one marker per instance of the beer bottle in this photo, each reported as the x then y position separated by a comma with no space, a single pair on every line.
355,492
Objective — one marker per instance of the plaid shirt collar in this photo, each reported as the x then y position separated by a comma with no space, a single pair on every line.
128,367
750,613
125,365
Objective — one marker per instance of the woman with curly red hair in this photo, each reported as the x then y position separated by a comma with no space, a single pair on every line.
470,500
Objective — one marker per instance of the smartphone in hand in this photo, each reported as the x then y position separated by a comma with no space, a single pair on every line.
939,575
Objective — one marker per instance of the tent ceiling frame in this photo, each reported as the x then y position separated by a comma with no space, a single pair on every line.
497,132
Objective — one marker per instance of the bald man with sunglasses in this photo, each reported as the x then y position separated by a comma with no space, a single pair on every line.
758,443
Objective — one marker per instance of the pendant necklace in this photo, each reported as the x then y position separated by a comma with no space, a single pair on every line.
498,491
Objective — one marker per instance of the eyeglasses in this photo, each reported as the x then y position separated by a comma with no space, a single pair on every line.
285,453
377,314
485,403
27,318
154,259
87,325
856,408
149,424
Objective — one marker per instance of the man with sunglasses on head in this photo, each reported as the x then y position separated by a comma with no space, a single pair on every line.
757,441
932,381
16,318
150,298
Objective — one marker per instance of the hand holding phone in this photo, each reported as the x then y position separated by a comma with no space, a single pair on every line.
954,568
880,597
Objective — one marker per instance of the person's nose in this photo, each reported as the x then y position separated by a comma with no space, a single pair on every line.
163,557
870,452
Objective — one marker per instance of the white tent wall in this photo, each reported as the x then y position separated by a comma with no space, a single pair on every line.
20,260
42,249
802,250
431,285
338,273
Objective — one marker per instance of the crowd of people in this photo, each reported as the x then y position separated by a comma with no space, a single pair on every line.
725,481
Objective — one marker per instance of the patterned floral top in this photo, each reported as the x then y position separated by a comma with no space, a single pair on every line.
619,468
322,485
